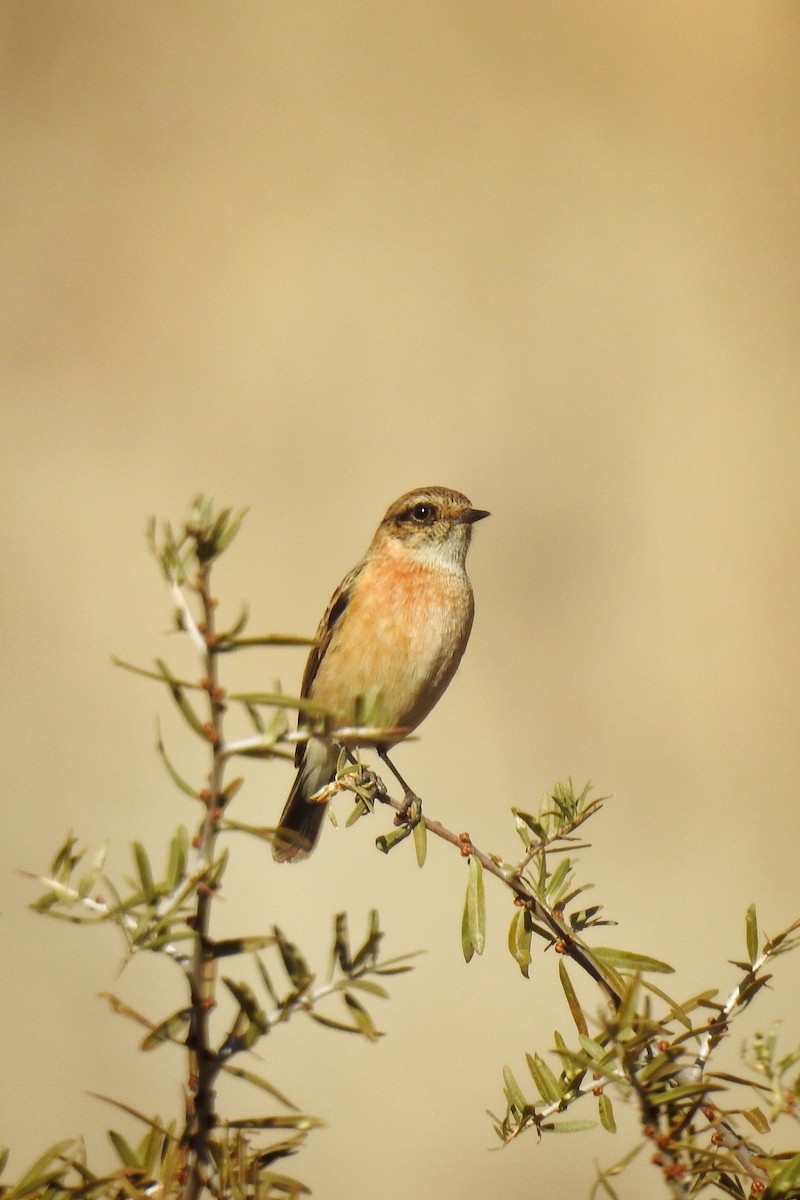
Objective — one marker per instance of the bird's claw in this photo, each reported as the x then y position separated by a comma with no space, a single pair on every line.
411,812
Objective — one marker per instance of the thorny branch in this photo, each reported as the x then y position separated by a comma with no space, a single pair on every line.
662,1123
563,938
204,1065
631,1051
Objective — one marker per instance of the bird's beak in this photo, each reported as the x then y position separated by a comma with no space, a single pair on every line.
471,515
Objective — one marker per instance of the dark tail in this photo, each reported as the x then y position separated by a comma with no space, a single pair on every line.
299,826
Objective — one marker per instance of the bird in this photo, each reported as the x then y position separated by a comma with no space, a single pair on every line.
387,647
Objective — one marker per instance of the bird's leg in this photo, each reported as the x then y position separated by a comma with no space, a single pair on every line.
411,812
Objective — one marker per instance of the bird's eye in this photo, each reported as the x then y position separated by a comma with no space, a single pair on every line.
423,513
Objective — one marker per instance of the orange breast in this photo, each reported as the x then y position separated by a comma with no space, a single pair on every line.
401,637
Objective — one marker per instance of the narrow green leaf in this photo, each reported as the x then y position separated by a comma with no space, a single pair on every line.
264,832
124,1152
700,1000
266,980
570,1126
145,872
572,999
421,842
606,1113
158,676
257,1081
387,841
557,879
595,1051
786,1178
527,825
245,998
672,1095
294,964
677,1011
750,989
168,1030
757,1119
368,951
519,939
177,779
751,934
280,700
569,1065
96,864
272,639
369,985
617,1168
602,1183
513,1090
239,624
177,690
151,1150
467,946
627,960
37,1172
626,1013
546,1083
227,947
476,905
255,717
124,1010
331,1023
341,943
388,968
782,941
65,859
226,537
287,1121
361,808
178,857
361,1017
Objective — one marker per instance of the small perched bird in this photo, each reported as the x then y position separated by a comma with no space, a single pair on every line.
389,643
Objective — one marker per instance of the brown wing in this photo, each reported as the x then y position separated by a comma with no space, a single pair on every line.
333,615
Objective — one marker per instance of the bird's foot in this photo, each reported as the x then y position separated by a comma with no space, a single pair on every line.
411,812
372,784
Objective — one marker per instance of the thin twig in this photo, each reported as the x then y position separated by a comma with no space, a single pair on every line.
565,940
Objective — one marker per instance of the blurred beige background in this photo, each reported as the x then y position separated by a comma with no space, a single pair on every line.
307,256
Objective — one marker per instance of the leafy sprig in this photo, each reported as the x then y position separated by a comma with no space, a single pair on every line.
167,910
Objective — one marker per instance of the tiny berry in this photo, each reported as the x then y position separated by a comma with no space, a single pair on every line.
675,1171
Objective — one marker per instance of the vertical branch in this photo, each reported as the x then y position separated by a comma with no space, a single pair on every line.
203,1063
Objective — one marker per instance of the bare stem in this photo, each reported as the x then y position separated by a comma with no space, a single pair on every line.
203,1062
